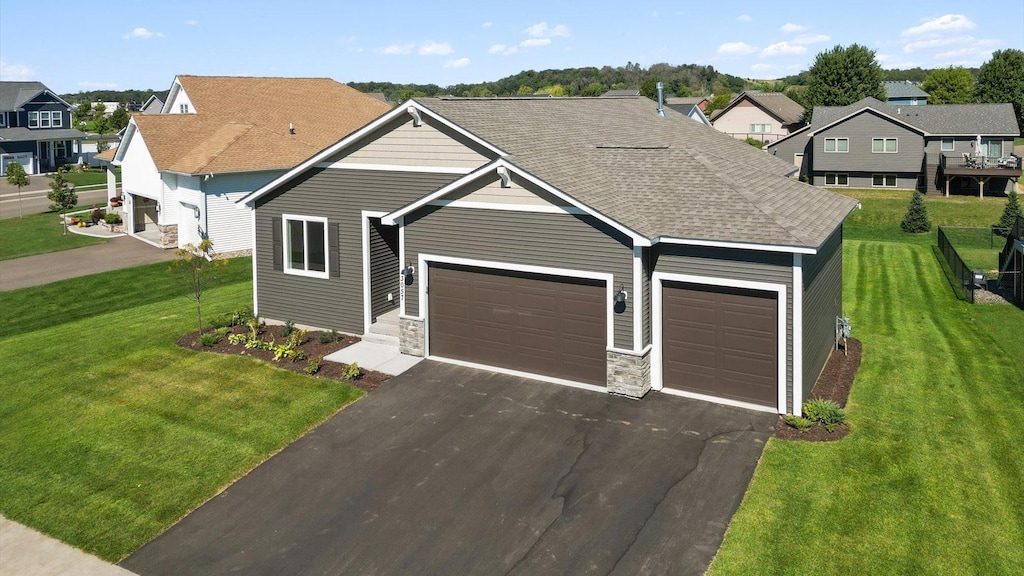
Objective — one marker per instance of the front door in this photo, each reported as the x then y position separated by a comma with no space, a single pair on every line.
44,157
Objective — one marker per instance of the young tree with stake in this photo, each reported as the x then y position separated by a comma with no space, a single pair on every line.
62,197
16,176
198,267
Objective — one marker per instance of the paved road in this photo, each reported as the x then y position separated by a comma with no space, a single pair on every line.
33,197
449,470
116,253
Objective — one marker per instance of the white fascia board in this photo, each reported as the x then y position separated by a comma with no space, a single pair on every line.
355,137
122,147
638,240
737,245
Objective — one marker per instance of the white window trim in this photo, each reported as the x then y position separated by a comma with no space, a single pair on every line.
3,119
884,141
837,150
895,183
942,145
837,175
657,327
367,297
31,112
56,119
286,246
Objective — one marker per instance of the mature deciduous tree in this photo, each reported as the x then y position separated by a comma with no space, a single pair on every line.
842,76
119,119
949,86
1001,79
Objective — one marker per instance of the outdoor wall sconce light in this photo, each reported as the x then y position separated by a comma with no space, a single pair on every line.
620,296
195,212
408,270
157,207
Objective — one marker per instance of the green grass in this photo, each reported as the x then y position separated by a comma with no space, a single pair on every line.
929,479
109,432
882,210
979,247
90,178
38,234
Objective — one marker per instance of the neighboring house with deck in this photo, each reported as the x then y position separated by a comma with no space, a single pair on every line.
904,93
765,116
938,149
219,139
587,242
36,130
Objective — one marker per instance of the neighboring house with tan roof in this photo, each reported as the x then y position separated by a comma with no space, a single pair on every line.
766,116
587,242
219,138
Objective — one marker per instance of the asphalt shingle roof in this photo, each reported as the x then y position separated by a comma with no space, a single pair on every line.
20,133
902,89
661,177
936,119
775,103
14,94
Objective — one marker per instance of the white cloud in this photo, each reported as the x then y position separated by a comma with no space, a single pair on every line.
432,48
457,63
942,24
191,22
16,72
535,42
811,39
502,49
487,24
542,30
87,85
399,49
736,49
744,18
782,49
141,33
790,28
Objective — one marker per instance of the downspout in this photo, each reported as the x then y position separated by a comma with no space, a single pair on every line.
661,99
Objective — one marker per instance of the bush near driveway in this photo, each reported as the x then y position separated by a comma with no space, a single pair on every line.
110,432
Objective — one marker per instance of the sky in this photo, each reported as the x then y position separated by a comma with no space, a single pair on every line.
122,45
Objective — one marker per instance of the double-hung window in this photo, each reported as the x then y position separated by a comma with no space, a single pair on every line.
55,119
883,180
33,119
837,144
883,146
305,245
760,128
837,179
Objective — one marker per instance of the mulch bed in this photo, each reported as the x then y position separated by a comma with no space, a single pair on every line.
311,347
833,384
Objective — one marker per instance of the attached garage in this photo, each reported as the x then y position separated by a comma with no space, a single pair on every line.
548,325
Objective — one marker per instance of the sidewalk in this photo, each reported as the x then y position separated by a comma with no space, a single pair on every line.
23,551
117,253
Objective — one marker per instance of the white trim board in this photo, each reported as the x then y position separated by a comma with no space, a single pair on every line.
364,222
537,208
657,329
798,334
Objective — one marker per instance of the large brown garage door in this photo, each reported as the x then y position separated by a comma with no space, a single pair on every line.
721,342
547,325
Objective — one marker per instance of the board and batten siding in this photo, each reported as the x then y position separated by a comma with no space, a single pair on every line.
429,144
229,225
769,267
823,301
340,195
567,241
860,130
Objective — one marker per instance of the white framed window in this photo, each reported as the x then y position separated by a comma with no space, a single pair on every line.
183,108
837,144
837,179
44,119
33,119
884,146
56,120
947,145
3,119
305,245
883,180
761,128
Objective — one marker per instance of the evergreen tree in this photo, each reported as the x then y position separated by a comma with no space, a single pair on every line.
916,219
1010,214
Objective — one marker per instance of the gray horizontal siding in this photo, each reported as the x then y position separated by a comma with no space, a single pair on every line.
339,195
961,145
861,129
525,238
823,301
646,311
904,180
775,268
799,144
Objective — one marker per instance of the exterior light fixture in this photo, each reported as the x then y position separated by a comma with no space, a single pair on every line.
408,270
620,296
195,212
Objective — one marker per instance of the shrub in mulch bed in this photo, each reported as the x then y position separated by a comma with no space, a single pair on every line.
312,349
833,384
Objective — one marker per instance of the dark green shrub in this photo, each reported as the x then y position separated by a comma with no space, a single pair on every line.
289,327
209,339
240,317
223,331
218,322
801,424
1010,214
329,337
916,219
755,143
352,372
112,218
824,412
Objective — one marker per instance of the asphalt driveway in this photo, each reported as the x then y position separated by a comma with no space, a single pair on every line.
449,470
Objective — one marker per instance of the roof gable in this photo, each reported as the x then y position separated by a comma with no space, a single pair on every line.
14,95
775,104
931,120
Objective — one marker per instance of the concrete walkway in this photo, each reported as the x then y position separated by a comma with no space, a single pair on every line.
24,551
117,253
377,356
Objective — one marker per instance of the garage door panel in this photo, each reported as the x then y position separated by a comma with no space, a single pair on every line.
545,325
720,342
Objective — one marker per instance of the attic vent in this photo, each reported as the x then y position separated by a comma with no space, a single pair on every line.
666,147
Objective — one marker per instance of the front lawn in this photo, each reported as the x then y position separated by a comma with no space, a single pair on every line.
110,432
929,479
91,177
38,234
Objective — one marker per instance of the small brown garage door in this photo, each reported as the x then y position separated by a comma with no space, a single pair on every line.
721,342
546,325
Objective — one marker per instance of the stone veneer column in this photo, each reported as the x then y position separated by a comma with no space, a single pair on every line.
629,374
168,235
411,339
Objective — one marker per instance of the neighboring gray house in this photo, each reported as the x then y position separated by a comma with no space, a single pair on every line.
36,129
941,148
581,241
690,109
904,93
153,105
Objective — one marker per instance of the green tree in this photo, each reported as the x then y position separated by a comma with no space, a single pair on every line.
618,86
524,90
62,197
593,89
198,266
842,76
556,90
102,146
1011,212
16,176
102,125
949,86
119,119
916,219
100,109
649,88
718,101
1001,79
84,112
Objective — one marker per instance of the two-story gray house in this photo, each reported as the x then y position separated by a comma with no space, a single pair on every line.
938,149
35,128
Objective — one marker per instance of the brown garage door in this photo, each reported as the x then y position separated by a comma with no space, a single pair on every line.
547,325
721,342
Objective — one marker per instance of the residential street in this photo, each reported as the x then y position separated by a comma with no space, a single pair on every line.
33,197
117,253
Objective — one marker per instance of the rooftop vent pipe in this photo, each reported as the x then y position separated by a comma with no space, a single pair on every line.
661,99
291,128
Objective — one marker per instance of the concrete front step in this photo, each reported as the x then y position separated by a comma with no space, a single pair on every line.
376,338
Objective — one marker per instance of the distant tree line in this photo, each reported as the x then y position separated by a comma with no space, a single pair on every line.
121,96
